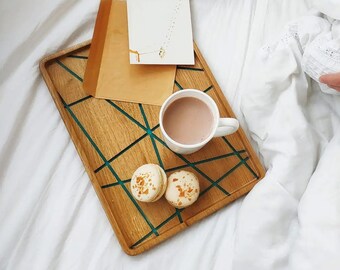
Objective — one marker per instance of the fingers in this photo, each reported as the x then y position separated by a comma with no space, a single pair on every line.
337,88
331,79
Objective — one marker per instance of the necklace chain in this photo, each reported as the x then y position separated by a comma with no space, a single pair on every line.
163,49
171,28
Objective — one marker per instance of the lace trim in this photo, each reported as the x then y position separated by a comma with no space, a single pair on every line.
292,33
325,47
321,43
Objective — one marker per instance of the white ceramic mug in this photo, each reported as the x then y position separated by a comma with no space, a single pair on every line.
221,126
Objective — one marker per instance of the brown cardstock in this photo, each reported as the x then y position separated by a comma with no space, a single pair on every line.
109,74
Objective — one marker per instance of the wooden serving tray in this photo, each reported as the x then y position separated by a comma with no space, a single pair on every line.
114,138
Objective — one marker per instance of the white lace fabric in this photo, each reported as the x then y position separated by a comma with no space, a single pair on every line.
318,39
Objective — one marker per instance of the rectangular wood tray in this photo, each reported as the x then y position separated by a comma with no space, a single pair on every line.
114,138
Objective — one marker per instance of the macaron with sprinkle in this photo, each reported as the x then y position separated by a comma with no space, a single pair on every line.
148,183
183,189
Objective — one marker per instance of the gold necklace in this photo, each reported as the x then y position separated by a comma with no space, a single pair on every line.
163,48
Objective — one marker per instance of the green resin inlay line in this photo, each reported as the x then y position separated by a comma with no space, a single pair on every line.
78,101
127,115
240,157
115,184
208,89
69,70
125,149
78,56
133,200
223,176
178,85
230,171
204,161
157,228
190,68
151,136
178,213
142,239
194,167
121,152
109,166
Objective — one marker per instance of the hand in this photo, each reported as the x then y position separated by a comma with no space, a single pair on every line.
332,80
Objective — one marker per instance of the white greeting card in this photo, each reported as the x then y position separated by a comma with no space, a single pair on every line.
160,32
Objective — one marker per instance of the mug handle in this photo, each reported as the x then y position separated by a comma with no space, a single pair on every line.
226,126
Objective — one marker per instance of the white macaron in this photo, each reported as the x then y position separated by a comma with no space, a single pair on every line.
148,183
183,189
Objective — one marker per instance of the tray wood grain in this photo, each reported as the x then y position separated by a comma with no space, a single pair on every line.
114,138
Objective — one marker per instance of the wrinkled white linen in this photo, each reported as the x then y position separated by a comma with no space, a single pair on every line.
50,215
291,220
329,7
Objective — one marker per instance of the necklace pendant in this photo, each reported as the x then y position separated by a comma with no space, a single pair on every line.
161,52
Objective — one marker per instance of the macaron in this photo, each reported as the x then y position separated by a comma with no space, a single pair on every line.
148,183
183,189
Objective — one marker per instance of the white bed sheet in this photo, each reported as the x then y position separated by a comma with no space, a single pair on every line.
50,215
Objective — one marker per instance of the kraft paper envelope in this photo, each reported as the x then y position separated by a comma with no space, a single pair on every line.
109,74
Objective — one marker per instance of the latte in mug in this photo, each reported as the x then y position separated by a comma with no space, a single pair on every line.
188,120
